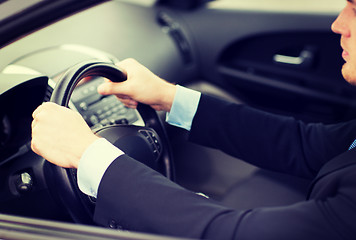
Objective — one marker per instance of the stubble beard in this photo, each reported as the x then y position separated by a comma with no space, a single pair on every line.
349,74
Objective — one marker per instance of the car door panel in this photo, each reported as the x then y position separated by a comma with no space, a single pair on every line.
283,62
255,54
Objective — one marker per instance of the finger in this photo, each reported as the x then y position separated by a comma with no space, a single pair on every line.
127,64
129,102
109,88
43,107
34,147
104,88
37,111
33,124
34,137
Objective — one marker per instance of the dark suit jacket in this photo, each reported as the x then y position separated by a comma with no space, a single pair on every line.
139,199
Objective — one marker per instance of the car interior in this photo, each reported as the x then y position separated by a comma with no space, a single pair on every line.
277,56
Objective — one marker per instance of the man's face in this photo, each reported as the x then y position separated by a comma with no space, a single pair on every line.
345,25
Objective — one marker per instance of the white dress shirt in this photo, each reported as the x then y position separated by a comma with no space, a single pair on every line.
100,154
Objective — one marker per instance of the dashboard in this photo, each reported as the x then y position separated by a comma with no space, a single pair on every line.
52,50
31,66
110,29
17,105
16,116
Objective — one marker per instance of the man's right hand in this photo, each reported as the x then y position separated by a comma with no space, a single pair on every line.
60,135
141,86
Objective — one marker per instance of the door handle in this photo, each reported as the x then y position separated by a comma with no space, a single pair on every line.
304,60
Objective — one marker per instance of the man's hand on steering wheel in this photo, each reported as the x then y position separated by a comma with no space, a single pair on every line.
60,135
141,86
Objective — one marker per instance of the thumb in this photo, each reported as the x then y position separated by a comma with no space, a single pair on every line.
109,88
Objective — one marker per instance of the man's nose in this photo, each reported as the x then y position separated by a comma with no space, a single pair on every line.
340,26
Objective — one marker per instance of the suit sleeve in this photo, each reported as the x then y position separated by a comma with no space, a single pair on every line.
140,199
269,141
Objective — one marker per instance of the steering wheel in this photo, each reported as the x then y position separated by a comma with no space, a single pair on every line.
147,144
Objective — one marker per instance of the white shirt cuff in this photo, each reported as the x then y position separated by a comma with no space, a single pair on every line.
184,107
93,164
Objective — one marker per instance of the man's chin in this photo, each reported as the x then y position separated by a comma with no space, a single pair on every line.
349,74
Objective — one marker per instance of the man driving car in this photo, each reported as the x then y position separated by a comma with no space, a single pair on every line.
137,198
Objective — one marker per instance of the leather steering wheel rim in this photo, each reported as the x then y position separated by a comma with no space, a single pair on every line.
81,207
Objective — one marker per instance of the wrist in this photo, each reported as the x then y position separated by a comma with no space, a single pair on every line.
168,97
